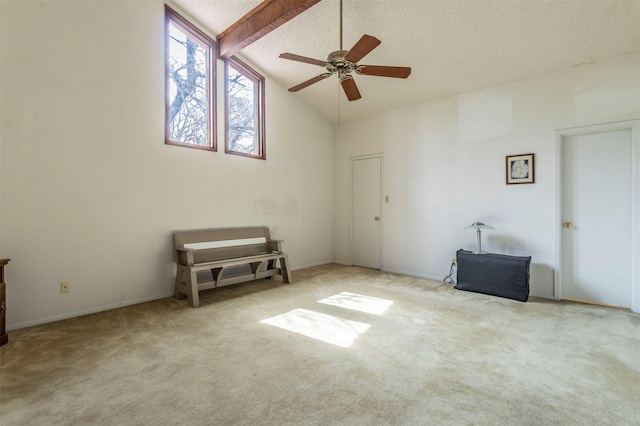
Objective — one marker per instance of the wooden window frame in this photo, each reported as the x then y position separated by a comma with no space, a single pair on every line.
189,28
259,80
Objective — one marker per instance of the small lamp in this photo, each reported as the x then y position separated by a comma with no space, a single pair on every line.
478,226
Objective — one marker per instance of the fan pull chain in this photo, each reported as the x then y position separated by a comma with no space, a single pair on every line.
339,103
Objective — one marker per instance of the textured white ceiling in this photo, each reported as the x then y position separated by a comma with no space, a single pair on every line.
452,46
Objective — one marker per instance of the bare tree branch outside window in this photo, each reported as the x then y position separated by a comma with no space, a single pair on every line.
242,104
189,103
188,69
245,105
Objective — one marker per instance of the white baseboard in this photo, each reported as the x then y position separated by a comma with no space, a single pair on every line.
311,265
86,312
68,315
170,294
413,274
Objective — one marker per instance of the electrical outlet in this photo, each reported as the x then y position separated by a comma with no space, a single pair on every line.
65,287
454,262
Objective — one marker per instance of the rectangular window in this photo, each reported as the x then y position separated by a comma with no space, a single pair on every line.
245,110
190,78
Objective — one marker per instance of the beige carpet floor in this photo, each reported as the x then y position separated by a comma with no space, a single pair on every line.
340,346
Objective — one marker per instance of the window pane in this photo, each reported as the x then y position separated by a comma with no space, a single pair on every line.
189,116
243,113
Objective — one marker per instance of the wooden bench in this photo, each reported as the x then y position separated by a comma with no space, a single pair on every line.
210,258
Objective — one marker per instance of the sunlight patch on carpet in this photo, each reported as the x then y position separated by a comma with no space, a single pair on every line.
323,327
358,302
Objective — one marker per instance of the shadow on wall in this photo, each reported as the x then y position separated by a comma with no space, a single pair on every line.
507,244
543,277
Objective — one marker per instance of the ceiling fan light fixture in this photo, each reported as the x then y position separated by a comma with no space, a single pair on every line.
344,75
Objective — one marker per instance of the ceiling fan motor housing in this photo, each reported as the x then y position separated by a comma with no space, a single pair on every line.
336,63
337,57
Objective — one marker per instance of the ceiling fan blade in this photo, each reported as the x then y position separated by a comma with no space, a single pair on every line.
304,59
362,48
310,82
350,89
382,71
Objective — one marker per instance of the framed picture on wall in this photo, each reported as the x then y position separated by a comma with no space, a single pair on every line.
520,169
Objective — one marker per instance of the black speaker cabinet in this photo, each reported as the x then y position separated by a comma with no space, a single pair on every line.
494,274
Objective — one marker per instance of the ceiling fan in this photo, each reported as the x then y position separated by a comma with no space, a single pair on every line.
343,63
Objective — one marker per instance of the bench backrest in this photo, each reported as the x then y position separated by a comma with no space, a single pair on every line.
221,243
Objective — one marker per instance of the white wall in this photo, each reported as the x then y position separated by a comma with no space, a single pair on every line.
90,192
444,167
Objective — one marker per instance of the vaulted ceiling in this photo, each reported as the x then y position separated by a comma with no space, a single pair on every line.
452,46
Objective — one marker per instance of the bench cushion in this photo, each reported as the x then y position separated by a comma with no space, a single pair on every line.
225,243
208,245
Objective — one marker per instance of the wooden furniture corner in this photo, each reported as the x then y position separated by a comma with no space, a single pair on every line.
4,338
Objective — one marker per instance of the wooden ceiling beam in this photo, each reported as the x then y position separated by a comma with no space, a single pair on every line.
263,19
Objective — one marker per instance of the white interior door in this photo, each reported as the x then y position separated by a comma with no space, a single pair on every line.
596,210
366,229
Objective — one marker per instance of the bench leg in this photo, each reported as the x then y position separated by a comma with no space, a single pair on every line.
192,289
284,266
218,277
180,273
271,265
255,267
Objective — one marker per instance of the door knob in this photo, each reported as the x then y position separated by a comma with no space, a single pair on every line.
377,218
567,225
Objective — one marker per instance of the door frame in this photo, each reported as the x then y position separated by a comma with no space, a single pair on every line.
351,163
561,134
